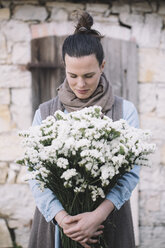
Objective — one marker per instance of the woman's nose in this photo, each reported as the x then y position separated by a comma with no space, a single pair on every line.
81,82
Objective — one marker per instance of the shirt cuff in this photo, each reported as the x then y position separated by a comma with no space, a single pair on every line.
117,200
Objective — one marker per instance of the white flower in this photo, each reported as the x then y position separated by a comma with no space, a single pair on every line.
69,173
62,163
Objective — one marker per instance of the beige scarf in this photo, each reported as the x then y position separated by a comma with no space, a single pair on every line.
103,96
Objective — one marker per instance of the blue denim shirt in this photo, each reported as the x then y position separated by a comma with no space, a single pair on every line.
49,205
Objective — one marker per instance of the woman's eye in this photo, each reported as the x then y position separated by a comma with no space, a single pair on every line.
89,76
72,76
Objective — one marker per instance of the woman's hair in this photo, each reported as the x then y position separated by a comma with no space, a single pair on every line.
85,41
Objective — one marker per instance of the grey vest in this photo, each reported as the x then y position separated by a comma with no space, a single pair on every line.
118,235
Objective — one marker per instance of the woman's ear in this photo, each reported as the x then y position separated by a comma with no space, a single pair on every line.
102,66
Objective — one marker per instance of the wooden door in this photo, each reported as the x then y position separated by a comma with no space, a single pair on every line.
121,69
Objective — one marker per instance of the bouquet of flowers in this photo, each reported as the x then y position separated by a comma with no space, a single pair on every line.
80,156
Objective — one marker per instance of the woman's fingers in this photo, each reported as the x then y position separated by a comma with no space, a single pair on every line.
92,241
97,233
101,227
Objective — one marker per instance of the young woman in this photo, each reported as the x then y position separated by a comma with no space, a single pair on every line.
86,85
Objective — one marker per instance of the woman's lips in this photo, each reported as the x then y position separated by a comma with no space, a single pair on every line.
82,91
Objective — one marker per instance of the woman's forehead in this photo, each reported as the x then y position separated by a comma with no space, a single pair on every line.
84,64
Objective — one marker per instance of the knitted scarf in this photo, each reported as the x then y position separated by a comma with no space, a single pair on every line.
103,96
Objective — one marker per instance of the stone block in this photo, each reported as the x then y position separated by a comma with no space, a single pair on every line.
160,93
29,13
21,53
4,118
10,147
151,65
59,15
96,9
113,31
16,31
69,7
22,235
5,3
151,213
131,19
5,240
161,9
21,175
143,33
162,40
120,7
147,102
21,205
156,125
21,97
21,116
3,172
53,28
152,236
152,178
4,96
163,154
13,76
11,178
15,167
4,14
111,20
141,7
3,49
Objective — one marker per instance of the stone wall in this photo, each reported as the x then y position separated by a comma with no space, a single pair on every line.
20,21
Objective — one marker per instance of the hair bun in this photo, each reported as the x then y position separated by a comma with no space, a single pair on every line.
85,22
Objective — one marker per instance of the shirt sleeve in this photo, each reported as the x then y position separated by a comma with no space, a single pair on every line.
121,192
46,200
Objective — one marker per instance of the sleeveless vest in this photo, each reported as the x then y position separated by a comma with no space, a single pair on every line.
118,235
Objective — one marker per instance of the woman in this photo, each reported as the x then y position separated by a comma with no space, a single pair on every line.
86,85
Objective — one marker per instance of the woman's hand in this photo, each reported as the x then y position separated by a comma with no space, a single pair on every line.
85,226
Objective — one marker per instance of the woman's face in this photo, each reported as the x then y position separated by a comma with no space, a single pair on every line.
83,74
